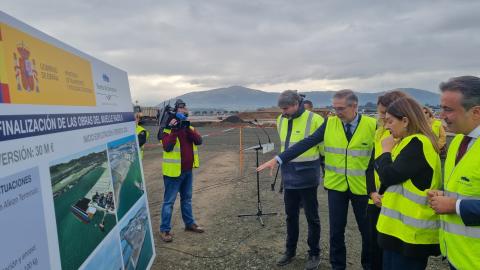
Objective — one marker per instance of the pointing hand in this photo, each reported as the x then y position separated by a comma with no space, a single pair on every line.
269,164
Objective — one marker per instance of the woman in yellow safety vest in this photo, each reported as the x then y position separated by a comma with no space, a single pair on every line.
437,127
408,167
373,186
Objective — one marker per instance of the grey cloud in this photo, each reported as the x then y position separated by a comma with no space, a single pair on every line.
224,42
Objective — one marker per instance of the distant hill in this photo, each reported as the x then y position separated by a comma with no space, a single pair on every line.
242,98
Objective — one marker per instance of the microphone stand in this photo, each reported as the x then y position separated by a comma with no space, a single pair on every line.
260,212
272,185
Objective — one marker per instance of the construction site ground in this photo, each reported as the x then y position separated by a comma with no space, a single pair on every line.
222,190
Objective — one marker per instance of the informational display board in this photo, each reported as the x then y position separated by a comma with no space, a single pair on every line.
72,193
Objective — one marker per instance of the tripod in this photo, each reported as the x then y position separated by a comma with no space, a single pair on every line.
259,213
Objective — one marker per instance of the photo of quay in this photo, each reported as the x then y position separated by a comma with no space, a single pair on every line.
84,203
135,238
107,256
126,173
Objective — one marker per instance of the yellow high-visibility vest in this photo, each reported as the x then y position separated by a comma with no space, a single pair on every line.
346,162
302,127
380,134
405,212
172,161
138,130
436,125
458,242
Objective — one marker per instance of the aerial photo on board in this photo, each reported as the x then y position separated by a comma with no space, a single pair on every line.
135,237
107,256
126,173
84,203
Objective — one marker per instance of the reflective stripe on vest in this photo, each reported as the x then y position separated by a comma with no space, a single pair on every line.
345,171
458,242
168,160
350,152
399,189
405,212
172,161
302,127
461,197
380,134
346,162
417,223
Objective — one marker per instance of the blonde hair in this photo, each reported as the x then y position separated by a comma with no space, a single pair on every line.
138,116
429,111
417,121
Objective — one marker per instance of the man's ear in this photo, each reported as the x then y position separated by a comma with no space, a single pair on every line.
476,113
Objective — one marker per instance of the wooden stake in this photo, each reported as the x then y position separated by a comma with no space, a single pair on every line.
241,151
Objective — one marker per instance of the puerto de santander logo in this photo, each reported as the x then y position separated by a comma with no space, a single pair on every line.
25,71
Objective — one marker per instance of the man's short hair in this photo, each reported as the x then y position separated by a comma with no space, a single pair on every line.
469,86
289,98
348,94
305,102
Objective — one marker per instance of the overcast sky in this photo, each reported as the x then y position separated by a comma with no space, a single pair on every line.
172,47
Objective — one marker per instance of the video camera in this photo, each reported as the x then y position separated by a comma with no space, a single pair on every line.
167,113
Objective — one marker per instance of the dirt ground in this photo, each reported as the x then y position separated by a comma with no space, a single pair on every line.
221,193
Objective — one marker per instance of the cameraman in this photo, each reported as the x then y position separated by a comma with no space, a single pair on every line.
180,156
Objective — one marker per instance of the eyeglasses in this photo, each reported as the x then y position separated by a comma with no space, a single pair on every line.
181,106
340,109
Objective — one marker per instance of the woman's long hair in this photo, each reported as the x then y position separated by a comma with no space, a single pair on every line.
417,121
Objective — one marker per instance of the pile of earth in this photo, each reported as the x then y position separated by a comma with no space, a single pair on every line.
233,119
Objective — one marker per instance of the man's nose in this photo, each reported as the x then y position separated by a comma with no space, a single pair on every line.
442,115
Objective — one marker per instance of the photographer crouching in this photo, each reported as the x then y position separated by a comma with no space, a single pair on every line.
180,156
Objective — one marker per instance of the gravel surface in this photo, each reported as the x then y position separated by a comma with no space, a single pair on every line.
221,192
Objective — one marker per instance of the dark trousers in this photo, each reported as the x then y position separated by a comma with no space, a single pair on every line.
393,260
308,197
338,210
374,249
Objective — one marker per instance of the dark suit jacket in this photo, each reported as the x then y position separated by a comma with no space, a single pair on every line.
470,212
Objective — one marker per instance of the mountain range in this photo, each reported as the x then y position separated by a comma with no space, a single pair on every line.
242,98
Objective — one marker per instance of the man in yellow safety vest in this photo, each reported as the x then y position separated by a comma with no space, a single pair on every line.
142,134
300,176
180,156
459,202
349,141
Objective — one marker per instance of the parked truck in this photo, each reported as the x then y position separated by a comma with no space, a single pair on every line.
147,114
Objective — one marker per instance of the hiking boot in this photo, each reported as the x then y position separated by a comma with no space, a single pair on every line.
312,263
285,259
166,237
194,228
